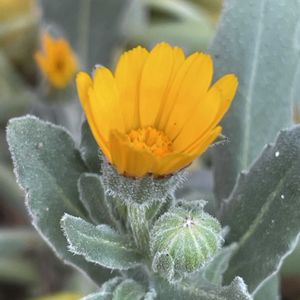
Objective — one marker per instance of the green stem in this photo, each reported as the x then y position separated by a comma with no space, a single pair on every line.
139,226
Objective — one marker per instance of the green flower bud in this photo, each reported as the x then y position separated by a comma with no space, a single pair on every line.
187,240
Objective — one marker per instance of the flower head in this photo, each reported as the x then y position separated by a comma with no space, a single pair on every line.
158,111
56,60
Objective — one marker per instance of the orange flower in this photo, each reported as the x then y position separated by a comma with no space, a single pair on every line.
57,61
158,111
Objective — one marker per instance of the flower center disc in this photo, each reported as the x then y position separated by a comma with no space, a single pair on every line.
151,140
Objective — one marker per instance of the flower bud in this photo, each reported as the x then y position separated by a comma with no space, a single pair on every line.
189,238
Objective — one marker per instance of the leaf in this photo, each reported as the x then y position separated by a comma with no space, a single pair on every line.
47,167
270,289
291,265
214,271
89,149
101,245
93,27
263,211
211,275
93,198
236,290
258,40
120,288
106,290
129,290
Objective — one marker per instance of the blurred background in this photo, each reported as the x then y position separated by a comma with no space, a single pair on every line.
97,32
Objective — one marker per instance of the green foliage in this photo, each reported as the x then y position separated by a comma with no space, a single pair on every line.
89,149
48,166
86,239
93,198
213,271
59,210
106,290
93,27
270,289
237,290
257,40
119,288
128,290
263,211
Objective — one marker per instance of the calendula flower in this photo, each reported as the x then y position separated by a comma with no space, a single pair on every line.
56,60
158,111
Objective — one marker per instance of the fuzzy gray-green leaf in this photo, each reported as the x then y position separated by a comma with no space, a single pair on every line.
258,40
129,290
270,289
101,245
214,270
237,290
89,149
263,211
106,290
93,199
48,166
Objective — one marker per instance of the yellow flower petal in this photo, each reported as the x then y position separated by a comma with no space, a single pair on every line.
172,163
105,103
188,89
202,143
84,84
177,161
227,86
128,74
200,120
155,81
128,160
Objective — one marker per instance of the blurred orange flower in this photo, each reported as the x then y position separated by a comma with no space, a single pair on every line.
56,60
158,112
